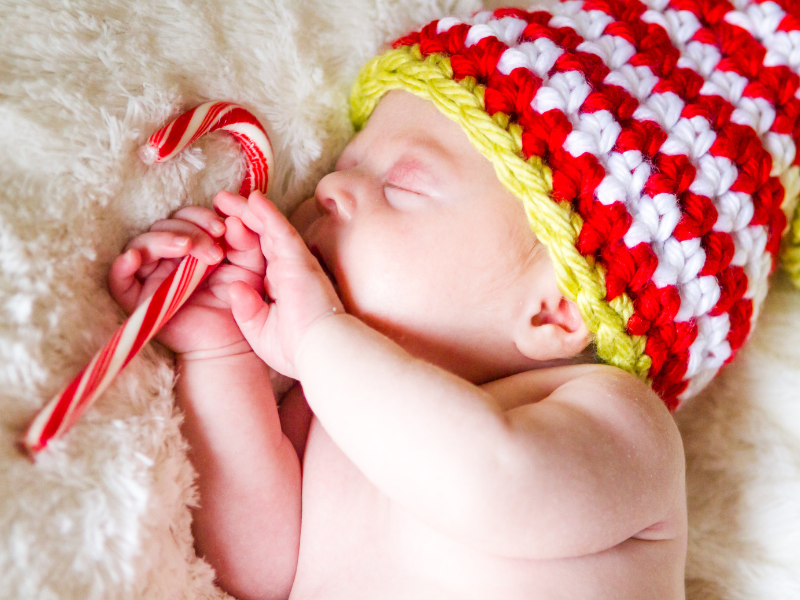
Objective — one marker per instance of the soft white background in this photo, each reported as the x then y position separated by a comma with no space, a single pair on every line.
104,514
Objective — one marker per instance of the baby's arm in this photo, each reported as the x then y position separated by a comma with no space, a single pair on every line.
594,463
247,524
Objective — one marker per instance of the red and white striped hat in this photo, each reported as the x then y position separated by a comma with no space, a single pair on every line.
653,145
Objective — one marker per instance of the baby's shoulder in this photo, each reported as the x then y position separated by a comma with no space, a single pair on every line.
607,397
623,399
604,431
594,386
610,390
603,384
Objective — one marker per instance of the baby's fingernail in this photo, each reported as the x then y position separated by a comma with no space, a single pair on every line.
216,253
180,241
217,228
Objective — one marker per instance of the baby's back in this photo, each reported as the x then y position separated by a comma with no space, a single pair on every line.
357,543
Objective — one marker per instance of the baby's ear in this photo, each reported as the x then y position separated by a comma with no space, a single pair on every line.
551,328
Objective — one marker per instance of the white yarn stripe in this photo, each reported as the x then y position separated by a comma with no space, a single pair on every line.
679,25
690,137
715,175
595,133
710,350
477,33
447,23
663,108
701,58
590,25
508,30
538,56
638,81
615,51
698,297
627,173
565,91
481,18
679,263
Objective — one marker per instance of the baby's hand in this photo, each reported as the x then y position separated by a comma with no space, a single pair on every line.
204,326
295,282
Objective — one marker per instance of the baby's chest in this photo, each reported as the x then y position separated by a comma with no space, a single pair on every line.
356,543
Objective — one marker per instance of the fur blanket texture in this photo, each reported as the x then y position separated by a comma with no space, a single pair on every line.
104,514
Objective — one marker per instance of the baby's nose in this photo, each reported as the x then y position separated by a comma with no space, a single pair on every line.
335,194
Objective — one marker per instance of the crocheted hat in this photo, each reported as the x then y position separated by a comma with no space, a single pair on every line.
653,145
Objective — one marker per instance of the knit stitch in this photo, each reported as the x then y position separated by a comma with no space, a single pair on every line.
653,145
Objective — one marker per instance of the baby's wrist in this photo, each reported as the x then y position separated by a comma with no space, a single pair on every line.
239,348
316,335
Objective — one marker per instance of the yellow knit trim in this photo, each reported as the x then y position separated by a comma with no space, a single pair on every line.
790,256
790,252
555,224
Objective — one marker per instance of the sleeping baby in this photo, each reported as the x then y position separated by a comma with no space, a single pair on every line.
490,308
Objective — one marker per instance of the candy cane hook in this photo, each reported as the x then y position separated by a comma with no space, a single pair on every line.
62,411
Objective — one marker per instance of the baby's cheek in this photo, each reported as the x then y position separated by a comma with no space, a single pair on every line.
383,276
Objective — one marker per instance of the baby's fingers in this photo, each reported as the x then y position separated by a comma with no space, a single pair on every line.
122,282
278,236
205,219
152,246
200,245
244,248
250,313
232,205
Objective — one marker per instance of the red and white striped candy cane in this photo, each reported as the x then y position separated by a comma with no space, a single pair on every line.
62,411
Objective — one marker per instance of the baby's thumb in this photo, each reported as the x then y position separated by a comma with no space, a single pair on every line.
249,311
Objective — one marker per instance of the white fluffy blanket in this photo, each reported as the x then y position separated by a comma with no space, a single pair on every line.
105,513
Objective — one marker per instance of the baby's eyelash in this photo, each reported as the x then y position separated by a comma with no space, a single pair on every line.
393,189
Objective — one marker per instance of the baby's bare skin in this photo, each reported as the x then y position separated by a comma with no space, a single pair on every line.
356,543
454,451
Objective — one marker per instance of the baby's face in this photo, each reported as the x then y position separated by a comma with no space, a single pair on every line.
423,241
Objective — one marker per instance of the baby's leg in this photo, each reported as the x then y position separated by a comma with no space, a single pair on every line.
247,524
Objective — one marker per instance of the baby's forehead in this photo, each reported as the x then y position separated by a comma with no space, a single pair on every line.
413,124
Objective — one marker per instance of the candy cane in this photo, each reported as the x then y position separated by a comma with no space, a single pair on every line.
62,411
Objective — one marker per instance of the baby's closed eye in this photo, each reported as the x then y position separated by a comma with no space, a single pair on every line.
412,177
